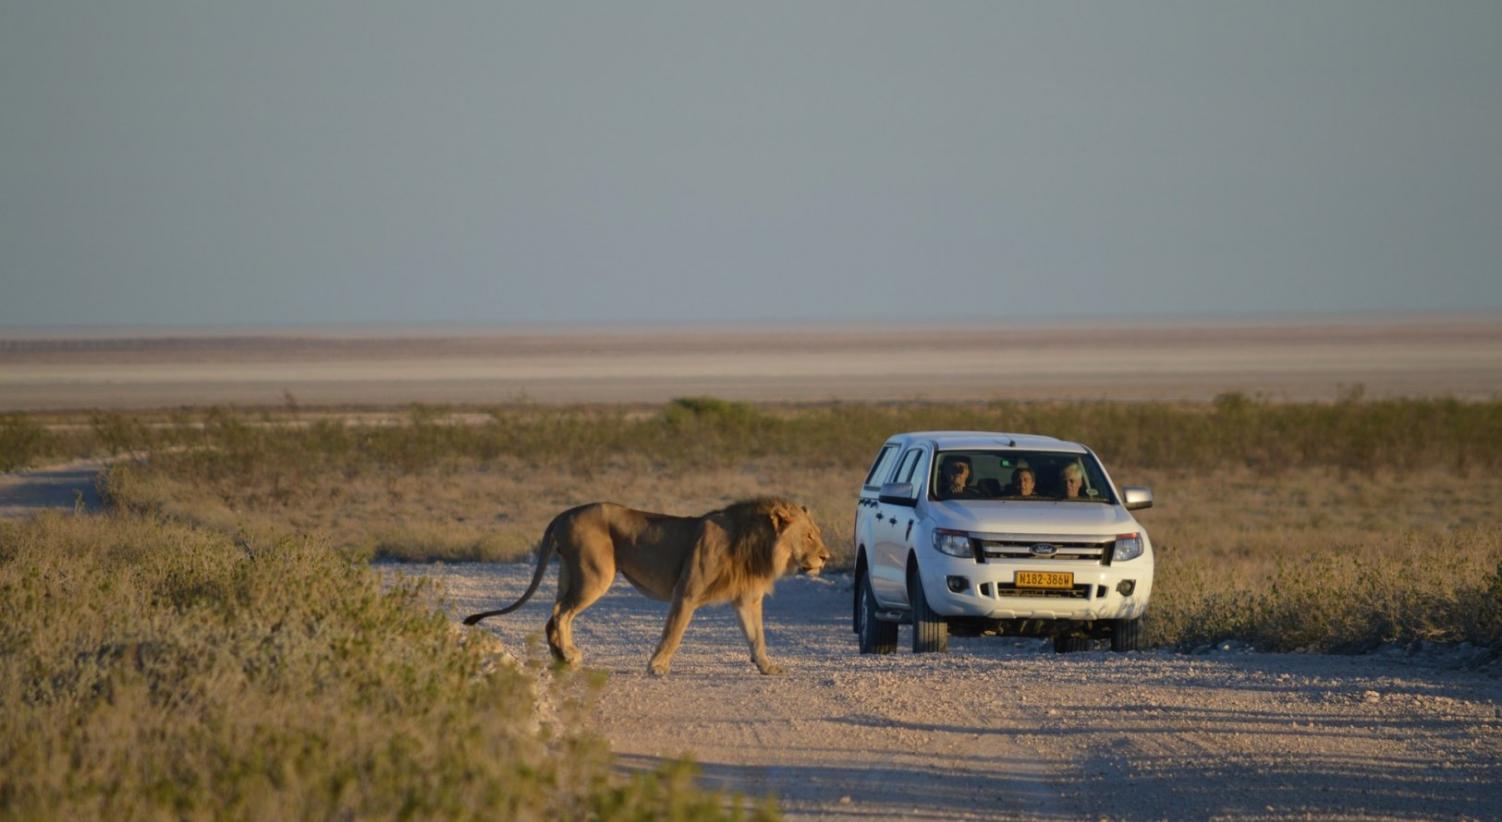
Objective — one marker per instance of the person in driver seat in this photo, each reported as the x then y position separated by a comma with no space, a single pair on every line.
954,479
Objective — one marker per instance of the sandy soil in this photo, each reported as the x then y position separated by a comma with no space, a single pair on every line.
1006,728
1290,360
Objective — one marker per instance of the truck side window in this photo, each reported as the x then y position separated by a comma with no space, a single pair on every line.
904,472
910,468
878,468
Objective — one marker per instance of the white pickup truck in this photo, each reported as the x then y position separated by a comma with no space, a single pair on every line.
976,532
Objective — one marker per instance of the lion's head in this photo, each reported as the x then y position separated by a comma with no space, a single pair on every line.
804,541
799,539
777,536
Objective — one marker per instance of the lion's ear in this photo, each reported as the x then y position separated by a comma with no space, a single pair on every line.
781,519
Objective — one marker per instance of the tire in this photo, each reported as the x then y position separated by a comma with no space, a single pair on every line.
1070,643
858,599
876,637
1126,635
930,631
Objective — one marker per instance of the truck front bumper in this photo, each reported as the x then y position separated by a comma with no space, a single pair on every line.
964,588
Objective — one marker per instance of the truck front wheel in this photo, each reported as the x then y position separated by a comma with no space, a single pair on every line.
1126,634
1070,642
930,631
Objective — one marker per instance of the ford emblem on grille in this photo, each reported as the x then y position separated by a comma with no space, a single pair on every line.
1043,549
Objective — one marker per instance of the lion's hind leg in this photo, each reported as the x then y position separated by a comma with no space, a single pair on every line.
582,580
556,642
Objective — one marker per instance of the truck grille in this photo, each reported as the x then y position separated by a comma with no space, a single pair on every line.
1066,549
1002,590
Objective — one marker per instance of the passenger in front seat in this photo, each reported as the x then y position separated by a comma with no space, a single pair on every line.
1073,477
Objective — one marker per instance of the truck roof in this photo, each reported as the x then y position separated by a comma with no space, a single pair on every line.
978,440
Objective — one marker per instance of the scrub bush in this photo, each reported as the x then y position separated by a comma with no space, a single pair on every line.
149,669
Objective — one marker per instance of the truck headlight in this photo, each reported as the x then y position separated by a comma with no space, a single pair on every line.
1128,546
953,543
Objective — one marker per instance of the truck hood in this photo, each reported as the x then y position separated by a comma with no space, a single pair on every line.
1017,517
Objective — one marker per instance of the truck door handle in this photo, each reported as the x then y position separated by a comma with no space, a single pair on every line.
909,532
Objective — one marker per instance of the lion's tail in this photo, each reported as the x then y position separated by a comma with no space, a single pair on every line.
545,551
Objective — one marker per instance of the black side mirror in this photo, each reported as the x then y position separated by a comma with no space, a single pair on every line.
899,493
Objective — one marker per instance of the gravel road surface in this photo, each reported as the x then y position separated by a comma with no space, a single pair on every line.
1003,728
68,486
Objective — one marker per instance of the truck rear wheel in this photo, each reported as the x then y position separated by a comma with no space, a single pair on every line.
930,631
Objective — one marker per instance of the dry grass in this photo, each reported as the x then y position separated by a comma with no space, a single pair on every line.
1387,555
1262,505
156,670
490,512
1326,559
210,649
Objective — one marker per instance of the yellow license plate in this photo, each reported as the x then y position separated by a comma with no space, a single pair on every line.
1044,579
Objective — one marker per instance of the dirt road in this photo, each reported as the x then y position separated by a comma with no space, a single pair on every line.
1006,728
67,487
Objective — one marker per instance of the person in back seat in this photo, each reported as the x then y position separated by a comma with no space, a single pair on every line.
1023,484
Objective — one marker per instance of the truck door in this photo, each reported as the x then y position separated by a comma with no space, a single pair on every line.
892,533
865,506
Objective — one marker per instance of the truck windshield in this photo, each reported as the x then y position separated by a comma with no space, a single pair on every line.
1019,475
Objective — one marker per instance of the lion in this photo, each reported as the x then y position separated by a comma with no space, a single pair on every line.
734,554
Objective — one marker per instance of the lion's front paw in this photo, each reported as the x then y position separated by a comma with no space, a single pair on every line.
771,669
656,668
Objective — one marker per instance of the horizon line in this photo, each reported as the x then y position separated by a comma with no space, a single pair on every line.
444,328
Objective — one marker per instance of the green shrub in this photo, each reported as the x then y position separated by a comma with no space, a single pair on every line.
117,432
711,411
23,442
1234,430
153,670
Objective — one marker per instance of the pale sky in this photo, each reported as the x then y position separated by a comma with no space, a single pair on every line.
628,163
